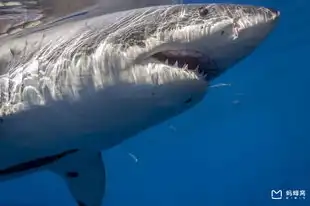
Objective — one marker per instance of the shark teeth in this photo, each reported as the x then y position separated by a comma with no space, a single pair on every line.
185,67
191,53
198,72
197,69
186,60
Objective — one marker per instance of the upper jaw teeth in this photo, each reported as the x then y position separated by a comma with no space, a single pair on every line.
183,53
197,68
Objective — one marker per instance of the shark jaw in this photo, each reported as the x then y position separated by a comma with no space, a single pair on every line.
191,61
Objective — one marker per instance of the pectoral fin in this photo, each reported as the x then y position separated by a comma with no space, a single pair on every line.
85,176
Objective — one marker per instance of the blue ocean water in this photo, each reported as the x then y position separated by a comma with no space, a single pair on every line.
240,143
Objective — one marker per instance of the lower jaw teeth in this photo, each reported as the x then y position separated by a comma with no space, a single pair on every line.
184,66
196,70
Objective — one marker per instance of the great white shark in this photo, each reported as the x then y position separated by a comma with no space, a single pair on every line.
69,90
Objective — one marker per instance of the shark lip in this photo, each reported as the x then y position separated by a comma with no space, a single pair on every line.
191,60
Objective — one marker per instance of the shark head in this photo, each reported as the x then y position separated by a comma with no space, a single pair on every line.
190,42
168,54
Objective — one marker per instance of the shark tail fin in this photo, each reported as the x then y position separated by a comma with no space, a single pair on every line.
84,174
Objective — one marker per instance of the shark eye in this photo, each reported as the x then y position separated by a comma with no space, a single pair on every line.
203,11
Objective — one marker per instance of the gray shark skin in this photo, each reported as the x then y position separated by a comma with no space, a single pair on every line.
21,14
69,90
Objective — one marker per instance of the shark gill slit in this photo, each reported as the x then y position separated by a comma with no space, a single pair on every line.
36,163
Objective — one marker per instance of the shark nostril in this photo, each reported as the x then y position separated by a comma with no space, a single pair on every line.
203,11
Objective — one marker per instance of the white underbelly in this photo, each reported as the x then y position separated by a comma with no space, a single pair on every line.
95,122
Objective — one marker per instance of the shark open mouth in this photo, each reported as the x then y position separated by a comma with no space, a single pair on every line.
190,60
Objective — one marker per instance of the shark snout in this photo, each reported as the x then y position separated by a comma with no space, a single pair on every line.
275,14
257,21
